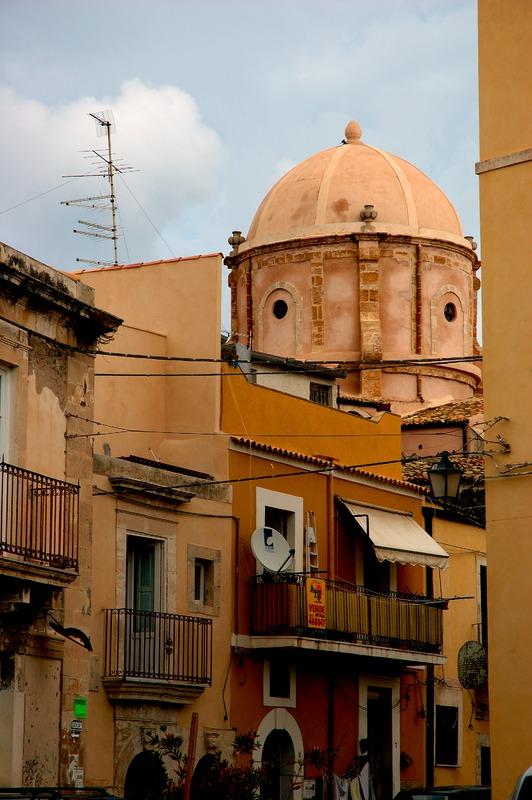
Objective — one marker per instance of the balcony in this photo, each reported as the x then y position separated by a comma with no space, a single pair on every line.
365,621
38,526
156,657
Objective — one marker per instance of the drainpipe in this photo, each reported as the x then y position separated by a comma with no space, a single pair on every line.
428,514
236,618
331,532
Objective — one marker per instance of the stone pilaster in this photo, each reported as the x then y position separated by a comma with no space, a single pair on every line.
370,323
316,289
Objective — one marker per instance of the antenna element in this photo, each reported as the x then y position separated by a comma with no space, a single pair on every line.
105,125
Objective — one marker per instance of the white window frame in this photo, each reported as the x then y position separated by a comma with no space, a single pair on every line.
450,696
272,700
285,502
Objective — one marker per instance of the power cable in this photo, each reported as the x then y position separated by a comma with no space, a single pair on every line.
41,194
157,231
47,191
307,366
313,434
303,471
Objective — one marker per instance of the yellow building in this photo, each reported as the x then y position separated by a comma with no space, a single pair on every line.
459,737
48,324
505,173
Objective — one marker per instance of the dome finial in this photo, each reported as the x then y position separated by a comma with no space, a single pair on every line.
353,132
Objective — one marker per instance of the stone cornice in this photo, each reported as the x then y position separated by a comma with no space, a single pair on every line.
320,241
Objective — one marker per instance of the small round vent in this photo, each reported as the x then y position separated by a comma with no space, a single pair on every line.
472,665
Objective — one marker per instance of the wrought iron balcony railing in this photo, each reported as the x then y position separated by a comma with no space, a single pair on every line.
150,644
38,517
280,605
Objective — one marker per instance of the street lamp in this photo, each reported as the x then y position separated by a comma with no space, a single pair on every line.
444,478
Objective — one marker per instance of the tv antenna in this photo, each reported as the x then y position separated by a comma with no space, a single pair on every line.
104,167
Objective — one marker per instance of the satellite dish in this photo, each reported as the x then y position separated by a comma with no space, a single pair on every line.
472,665
271,549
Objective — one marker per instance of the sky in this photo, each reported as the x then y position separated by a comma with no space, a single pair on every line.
213,100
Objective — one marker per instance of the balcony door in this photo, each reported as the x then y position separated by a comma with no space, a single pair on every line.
143,650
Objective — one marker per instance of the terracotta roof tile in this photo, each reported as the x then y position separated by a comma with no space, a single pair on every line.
148,263
472,467
457,411
325,462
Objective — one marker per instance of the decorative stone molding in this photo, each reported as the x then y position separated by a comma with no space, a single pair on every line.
149,690
298,303
282,719
435,302
317,317
369,314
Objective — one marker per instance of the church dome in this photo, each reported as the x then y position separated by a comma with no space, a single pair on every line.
326,193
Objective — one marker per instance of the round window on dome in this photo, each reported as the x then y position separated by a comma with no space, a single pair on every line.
449,312
280,309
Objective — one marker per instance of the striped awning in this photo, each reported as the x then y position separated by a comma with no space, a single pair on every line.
397,537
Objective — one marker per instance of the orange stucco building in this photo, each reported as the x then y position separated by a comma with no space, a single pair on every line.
362,674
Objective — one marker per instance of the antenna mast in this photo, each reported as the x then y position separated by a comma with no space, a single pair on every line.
104,127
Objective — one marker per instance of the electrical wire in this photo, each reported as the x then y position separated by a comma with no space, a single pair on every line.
42,194
302,471
313,434
157,231
306,366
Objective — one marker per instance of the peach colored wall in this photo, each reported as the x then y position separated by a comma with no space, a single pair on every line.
169,308
50,394
427,442
138,403
158,297
208,524
505,66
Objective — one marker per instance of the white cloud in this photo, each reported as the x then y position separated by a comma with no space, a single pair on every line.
282,166
159,131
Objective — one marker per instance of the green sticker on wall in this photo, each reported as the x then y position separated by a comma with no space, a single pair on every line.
80,707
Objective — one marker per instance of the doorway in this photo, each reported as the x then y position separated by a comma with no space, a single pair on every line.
379,711
278,758
379,724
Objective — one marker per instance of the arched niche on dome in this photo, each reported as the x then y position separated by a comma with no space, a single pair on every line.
279,321
450,324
